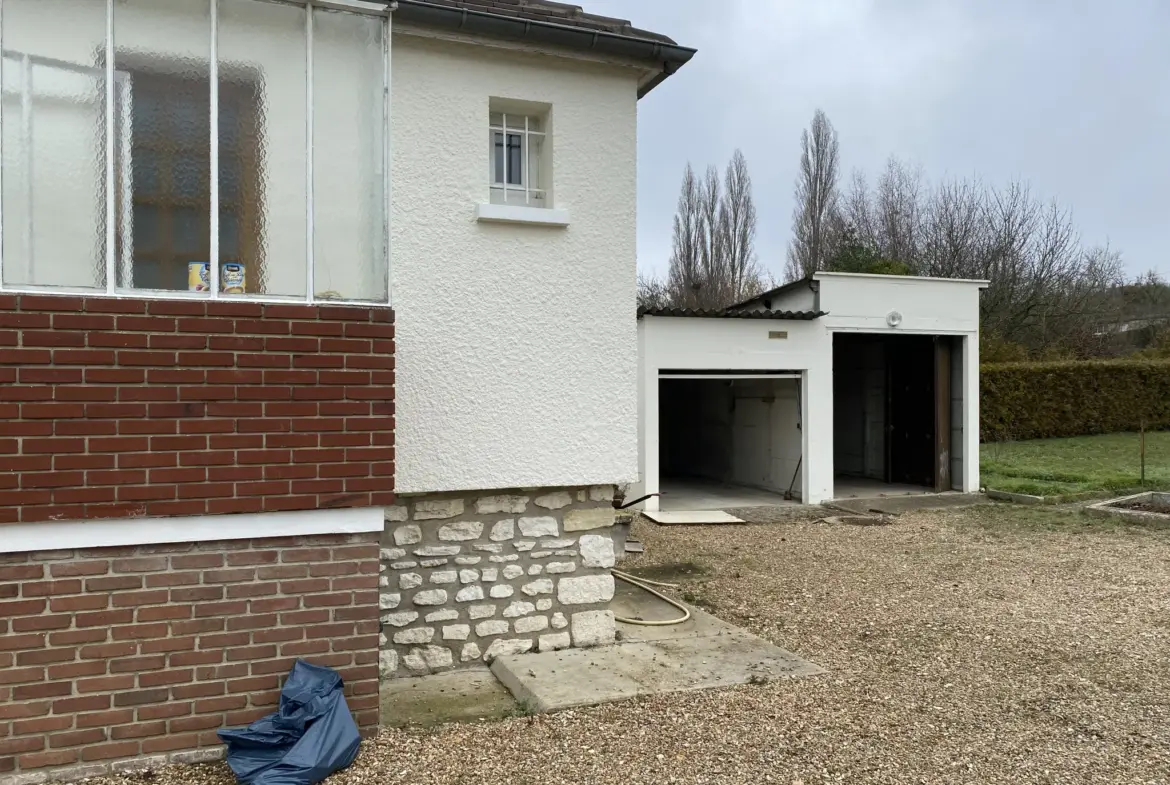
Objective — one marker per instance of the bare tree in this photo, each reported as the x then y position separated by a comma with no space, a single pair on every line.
1047,291
713,260
711,247
685,277
816,198
737,225
898,203
652,292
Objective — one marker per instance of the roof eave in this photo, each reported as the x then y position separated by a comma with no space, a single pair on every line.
690,313
666,55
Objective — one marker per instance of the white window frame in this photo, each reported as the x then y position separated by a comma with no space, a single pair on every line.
117,134
533,196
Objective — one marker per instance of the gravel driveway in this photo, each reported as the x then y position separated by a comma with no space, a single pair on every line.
991,645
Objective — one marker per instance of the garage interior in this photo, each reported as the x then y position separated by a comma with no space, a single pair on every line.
729,441
897,414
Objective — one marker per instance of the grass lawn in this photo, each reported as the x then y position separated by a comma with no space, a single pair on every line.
1085,463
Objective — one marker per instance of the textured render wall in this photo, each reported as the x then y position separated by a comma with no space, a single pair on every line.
111,653
467,578
118,408
517,343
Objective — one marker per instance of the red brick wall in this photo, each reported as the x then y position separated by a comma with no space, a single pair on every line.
118,652
112,408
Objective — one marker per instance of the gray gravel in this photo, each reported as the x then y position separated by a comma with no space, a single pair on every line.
992,645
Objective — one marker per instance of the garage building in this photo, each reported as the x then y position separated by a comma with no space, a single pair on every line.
837,385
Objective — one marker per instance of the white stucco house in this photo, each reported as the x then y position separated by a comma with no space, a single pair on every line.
513,279
830,386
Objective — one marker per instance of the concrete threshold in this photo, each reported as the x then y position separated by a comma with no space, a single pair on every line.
702,653
690,517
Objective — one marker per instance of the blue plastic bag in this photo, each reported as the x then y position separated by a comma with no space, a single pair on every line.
309,737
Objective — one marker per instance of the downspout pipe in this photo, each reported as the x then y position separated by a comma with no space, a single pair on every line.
666,57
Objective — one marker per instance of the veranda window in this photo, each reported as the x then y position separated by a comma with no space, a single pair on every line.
195,148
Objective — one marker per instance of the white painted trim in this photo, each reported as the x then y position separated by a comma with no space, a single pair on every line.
729,375
213,140
387,151
54,535
352,6
881,328
170,294
111,228
310,237
515,214
826,274
1,147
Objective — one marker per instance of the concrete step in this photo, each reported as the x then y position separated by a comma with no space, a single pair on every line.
703,653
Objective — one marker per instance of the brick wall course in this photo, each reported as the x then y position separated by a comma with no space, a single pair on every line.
116,408
123,652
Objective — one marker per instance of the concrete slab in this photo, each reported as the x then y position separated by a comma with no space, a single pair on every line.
702,653
691,517
455,696
845,487
897,505
696,494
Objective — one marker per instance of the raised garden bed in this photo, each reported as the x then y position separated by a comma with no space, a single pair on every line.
1056,498
1151,508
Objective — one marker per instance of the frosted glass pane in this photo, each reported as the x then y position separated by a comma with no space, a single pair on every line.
54,127
349,211
162,53
262,117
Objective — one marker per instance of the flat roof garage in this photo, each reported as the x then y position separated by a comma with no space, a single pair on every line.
835,384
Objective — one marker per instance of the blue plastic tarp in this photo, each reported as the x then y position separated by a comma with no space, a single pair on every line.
308,738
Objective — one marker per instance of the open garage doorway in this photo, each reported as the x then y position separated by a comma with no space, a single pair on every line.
728,442
895,399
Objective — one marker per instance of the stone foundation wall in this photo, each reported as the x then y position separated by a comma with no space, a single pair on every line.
468,577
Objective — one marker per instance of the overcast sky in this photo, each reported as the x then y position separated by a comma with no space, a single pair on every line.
1071,95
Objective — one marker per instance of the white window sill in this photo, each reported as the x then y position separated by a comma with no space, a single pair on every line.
516,214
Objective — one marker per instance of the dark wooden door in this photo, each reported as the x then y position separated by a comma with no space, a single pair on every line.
912,411
942,413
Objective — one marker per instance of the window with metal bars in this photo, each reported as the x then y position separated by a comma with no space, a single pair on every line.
517,149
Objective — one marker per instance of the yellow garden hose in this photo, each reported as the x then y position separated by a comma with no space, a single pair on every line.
645,585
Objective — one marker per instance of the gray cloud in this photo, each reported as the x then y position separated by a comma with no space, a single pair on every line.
1070,95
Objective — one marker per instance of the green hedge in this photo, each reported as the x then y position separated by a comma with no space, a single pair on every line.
1051,399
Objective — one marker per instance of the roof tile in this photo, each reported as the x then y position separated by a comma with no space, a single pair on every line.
554,13
716,313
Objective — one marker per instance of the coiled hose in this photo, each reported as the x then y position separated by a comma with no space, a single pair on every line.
644,584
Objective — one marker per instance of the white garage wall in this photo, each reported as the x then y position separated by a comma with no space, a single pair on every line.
743,431
744,344
517,360
766,437
927,305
